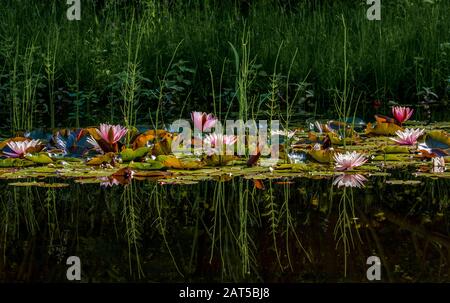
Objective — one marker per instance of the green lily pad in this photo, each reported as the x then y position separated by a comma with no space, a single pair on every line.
396,149
39,184
13,162
148,165
391,157
129,154
41,158
403,182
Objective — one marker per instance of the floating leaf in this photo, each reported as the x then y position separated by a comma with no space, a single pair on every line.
99,160
148,165
192,164
321,155
129,154
40,184
123,172
384,119
396,149
148,136
41,158
13,162
390,157
170,161
218,160
383,129
438,139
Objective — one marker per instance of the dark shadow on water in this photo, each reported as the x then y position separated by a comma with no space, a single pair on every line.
281,230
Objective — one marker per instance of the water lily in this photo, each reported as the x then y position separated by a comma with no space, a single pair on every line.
215,143
20,148
349,180
402,113
408,137
348,160
111,133
203,121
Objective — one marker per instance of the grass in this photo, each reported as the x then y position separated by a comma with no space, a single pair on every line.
391,59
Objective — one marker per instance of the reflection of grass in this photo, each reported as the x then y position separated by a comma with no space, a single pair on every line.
133,226
282,224
221,222
158,196
343,229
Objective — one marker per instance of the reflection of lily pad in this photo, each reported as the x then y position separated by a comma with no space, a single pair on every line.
403,182
40,184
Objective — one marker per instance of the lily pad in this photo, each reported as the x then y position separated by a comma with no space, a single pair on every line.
382,129
129,154
148,165
13,162
396,149
41,158
403,182
40,184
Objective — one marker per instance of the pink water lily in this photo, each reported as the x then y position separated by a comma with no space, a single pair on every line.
203,121
111,133
350,180
408,137
215,143
402,113
20,148
348,160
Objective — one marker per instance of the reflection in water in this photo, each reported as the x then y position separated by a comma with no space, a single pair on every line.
297,230
108,181
349,180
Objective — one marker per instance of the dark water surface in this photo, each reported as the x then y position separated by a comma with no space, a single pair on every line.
280,230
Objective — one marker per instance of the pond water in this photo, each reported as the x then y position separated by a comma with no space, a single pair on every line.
156,217
231,228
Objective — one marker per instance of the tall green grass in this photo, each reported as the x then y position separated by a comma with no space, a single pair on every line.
78,62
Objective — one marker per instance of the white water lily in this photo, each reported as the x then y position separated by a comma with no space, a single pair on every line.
20,148
348,160
409,136
217,143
